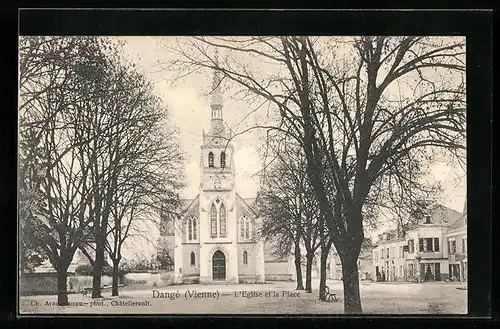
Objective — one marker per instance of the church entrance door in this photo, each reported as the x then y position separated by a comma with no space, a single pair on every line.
219,266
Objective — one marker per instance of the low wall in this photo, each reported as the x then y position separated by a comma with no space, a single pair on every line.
191,279
279,277
149,279
46,283
76,283
276,268
278,271
38,284
249,279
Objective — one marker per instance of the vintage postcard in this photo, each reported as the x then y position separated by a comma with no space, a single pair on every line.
242,175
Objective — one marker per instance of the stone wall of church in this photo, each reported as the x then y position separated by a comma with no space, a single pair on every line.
251,267
188,269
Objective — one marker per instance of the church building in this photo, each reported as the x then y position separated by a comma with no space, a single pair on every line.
215,238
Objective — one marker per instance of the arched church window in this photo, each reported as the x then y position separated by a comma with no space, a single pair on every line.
213,221
222,219
210,159
223,159
247,229
193,259
242,226
245,257
191,228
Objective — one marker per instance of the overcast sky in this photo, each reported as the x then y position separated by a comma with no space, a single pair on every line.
190,112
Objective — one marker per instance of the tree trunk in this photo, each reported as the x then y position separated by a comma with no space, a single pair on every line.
298,268
115,278
350,278
325,250
309,261
62,287
98,267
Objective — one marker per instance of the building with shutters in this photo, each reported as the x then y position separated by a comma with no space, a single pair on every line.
418,253
457,248
389,263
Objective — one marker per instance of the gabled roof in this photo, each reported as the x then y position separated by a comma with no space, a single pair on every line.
387,237
185,203
188,204
458,224
439,215
444,215
248,203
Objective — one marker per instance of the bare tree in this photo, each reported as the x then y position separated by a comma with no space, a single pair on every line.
45,64
150,174
289,207
56,192
134,161
335,96
282,218
96,148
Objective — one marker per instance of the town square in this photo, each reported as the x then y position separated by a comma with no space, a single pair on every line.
243,175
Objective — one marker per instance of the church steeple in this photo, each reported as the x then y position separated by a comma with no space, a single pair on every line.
217,122
217,166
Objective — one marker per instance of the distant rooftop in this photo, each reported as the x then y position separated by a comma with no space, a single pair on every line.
459,223
437,214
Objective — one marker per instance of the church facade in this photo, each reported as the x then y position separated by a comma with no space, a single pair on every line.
215,238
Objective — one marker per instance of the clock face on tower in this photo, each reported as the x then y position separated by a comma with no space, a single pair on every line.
217,184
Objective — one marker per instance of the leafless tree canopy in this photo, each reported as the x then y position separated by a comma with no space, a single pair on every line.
370,113
97,151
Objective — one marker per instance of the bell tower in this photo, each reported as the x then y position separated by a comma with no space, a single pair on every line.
217,166
218,224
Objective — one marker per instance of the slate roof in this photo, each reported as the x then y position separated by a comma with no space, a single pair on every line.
458,224
248,203
186,202
439,215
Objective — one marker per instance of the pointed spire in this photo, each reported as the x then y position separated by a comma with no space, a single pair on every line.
216,87
217,123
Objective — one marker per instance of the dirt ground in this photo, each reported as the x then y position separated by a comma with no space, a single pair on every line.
272,298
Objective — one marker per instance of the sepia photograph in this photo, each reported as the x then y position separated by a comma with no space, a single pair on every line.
242,175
